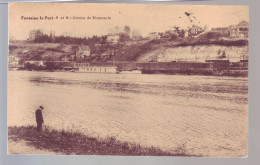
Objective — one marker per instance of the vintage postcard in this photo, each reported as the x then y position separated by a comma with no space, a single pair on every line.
128,79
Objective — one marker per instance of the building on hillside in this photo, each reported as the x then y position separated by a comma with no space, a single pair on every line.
240,30
106,55
113,38
186,33
194,30
35,34
65,59
83,52
72,57
166,36
222,30
154,36
13,61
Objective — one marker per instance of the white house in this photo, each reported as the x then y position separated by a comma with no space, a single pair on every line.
113,38
13,61
65,59
34,34
195,30
84,51
240,30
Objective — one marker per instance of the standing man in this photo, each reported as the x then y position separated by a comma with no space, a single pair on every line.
39,118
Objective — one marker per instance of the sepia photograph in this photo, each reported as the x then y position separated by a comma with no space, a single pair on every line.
128,79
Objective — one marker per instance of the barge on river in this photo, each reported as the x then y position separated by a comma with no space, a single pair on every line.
88,68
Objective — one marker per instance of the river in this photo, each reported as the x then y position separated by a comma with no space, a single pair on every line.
208,114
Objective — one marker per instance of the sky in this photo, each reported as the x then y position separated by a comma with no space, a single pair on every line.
145,18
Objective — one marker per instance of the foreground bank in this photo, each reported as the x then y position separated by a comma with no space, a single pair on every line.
77,143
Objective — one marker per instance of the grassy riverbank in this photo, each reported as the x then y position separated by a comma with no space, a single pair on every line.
77,143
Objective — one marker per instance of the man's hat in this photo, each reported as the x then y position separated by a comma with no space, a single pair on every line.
41,107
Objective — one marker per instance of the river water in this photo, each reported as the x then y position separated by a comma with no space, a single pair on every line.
209,115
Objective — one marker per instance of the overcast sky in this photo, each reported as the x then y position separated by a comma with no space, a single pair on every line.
144,17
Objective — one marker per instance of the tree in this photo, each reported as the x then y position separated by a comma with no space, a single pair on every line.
127,30
29,66
49,65
21,61
43,39
117,29
136,33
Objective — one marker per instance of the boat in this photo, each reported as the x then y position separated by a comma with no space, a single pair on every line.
131,72
88,68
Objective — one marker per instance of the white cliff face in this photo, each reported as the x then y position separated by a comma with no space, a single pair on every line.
198,53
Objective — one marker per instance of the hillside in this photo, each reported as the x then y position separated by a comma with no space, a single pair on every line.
41,51
198,53
206,46
133,51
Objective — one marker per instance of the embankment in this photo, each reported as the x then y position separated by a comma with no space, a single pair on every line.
77,143
195,53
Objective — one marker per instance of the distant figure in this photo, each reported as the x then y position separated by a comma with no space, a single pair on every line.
39,118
